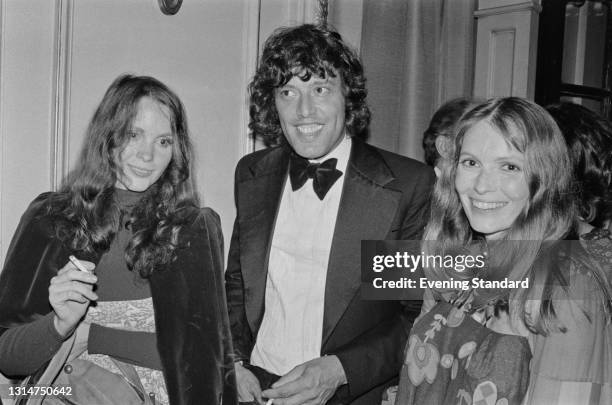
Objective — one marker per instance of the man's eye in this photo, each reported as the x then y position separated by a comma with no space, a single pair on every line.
287,93
468,163
321,90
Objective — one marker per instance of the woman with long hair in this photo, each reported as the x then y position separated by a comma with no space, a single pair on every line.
123,264
535,325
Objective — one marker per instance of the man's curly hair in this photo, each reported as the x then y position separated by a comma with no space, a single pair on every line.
304,51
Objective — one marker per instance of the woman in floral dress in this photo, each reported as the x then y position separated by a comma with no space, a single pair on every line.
507,194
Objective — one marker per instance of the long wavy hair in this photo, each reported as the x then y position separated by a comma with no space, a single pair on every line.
589,139
85,210
526,248
305,51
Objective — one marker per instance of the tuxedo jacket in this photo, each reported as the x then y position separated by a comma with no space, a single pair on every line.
385,196
188,300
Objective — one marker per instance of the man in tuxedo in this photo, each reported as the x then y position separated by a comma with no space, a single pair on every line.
303,207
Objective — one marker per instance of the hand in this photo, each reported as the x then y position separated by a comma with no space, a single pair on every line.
248,385
313,382
70,293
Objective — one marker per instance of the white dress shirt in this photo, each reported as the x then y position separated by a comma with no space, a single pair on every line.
292,326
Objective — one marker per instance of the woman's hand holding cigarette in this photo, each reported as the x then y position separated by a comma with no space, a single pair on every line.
70,293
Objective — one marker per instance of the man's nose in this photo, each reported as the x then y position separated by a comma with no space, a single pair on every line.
305,106
486,181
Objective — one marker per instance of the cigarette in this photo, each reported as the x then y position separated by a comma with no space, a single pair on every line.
78,264
270,401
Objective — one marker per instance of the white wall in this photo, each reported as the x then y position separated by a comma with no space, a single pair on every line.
26,53
58,57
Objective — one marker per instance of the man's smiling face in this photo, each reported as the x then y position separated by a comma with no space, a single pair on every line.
312,114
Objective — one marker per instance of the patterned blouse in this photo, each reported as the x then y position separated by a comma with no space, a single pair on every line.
575,367
452,358
135,316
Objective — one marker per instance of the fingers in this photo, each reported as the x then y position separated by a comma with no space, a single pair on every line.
287,390
71,291
71,278
71,296
74,276
312,396
289,384
71,269
298,399
72,285
249,391
292,375
308,397
248,385
313,382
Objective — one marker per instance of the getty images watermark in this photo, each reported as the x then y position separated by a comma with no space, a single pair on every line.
401,270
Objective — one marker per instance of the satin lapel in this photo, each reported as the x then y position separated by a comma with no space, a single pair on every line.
366,211
259,198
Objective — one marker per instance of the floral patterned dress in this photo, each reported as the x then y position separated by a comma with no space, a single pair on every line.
575,367
453,359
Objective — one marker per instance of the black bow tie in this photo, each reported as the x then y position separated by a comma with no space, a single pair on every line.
323,175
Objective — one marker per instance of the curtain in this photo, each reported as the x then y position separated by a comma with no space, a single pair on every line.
417,55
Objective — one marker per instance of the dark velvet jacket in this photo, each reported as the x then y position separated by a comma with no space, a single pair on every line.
385,197
188,299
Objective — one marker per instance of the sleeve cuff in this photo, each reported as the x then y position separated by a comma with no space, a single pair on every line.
50,327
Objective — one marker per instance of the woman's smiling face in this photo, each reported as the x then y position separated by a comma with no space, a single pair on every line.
148,150
490,181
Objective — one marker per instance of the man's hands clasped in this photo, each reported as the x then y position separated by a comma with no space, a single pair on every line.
310,383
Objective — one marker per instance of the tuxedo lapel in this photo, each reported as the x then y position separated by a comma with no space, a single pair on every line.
259,200
367,209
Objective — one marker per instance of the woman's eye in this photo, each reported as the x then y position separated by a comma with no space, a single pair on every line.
166,141
512,167
132,135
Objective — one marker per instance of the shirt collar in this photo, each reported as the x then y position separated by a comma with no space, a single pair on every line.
341,152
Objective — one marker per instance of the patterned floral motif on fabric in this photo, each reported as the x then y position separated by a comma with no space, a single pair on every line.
586,343
452,359
138,316
422,361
